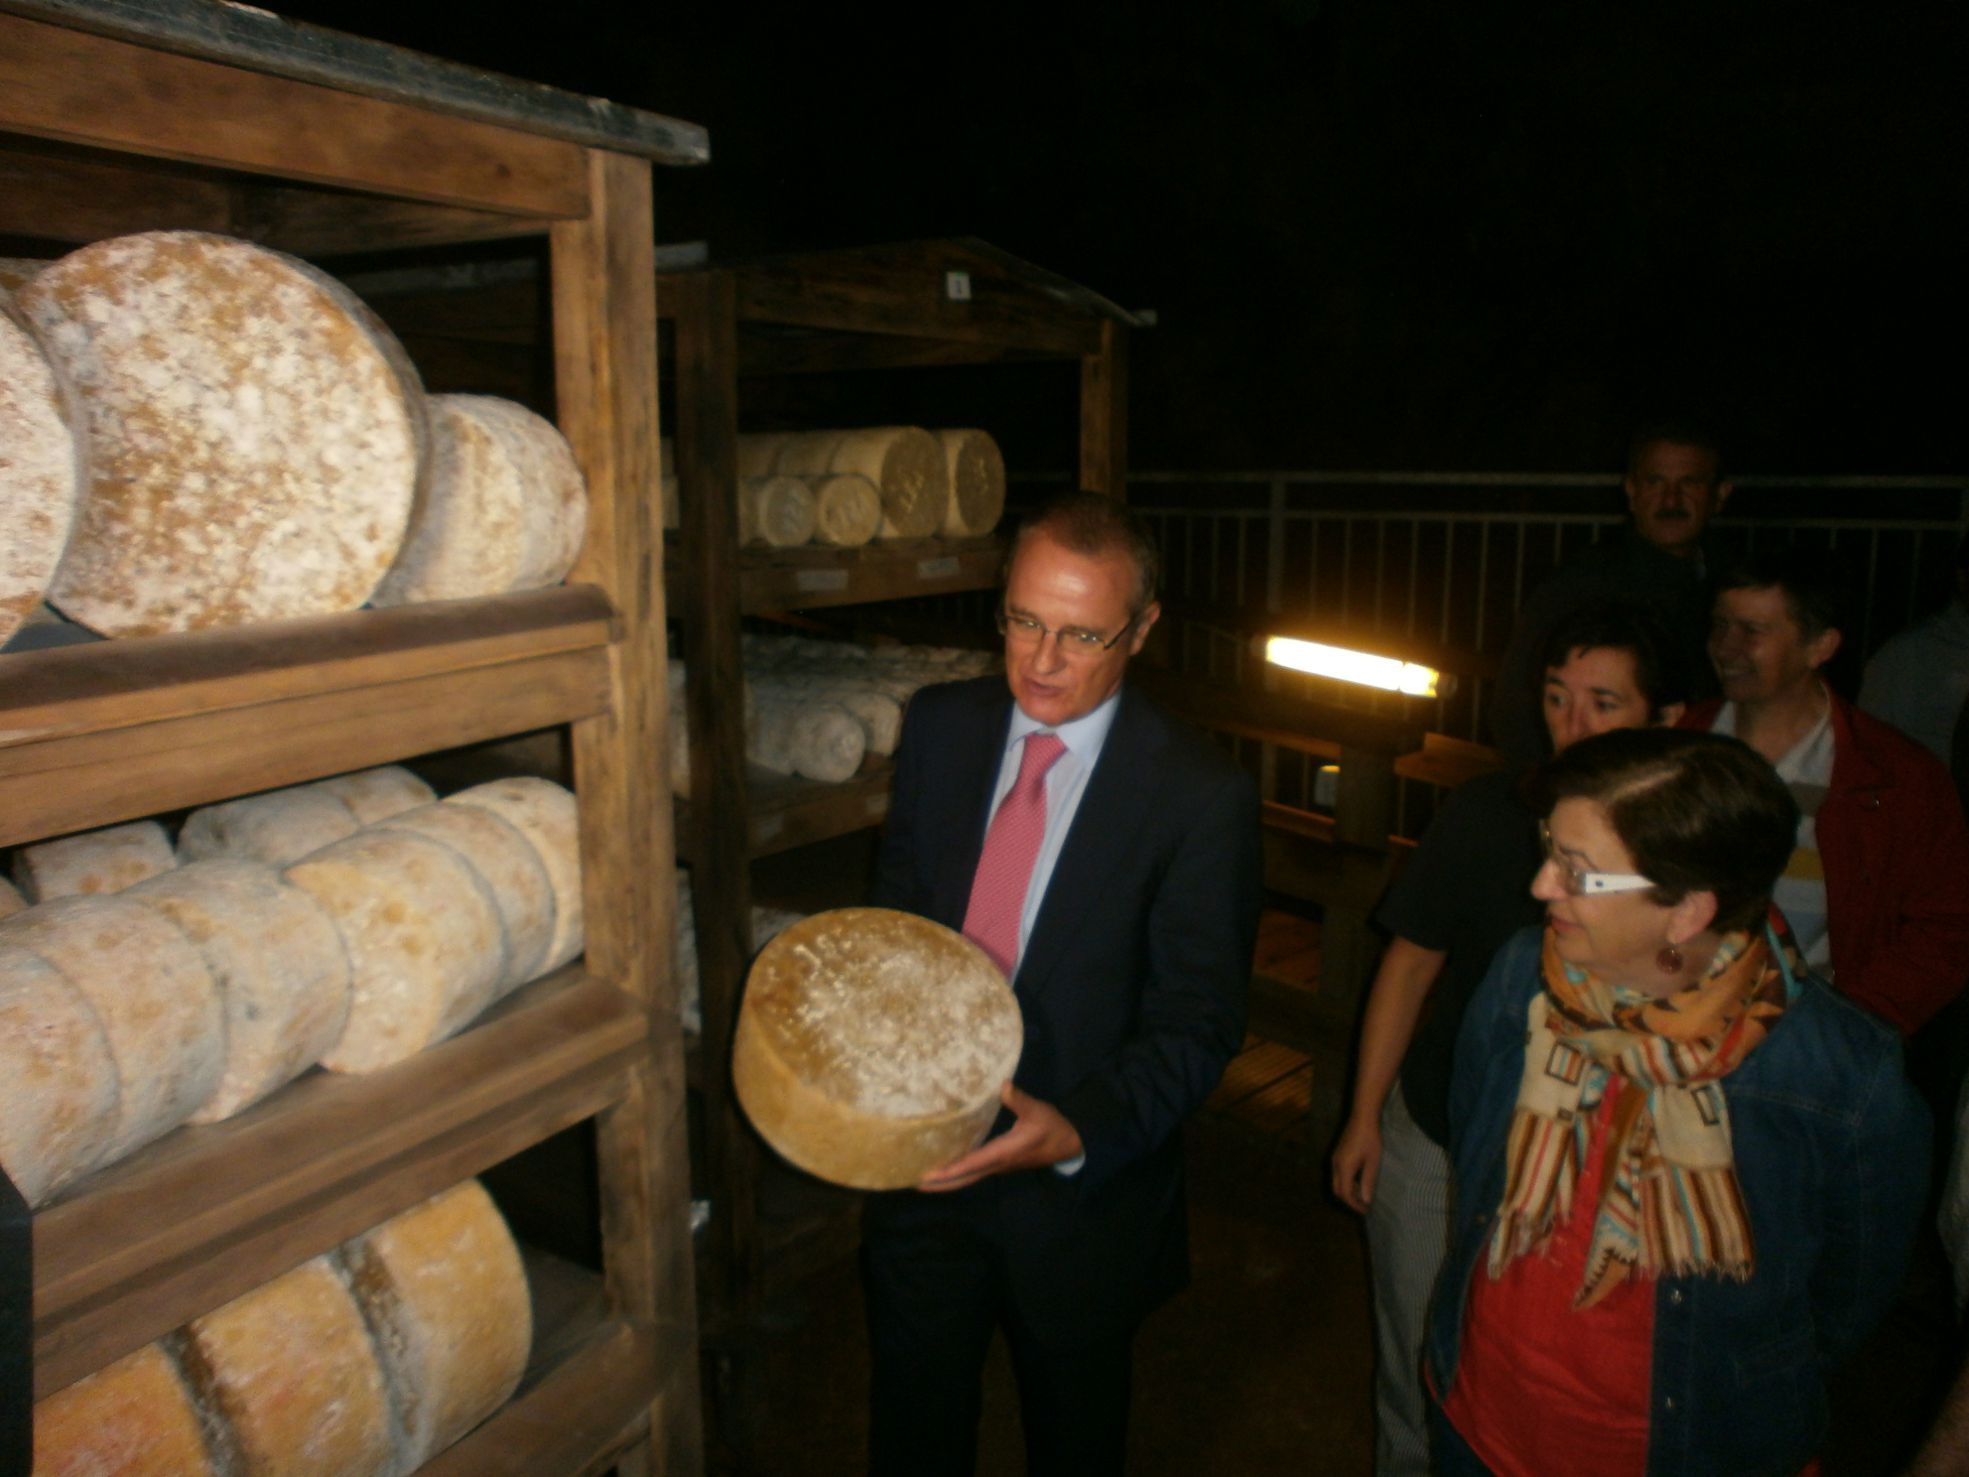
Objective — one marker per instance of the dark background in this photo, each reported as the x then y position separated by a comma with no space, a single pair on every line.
1443,235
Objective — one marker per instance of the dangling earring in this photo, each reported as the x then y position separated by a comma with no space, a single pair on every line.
1669,959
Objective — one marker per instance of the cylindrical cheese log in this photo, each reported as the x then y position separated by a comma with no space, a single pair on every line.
427,948
134,1418
777,511
278,827
151,989
872,1045
254,434
847,509
907,467
976,468
510,868
11,902
279,964
377,794
804,736
544,813
61,1079
445,1296
41,441
805,453
108,860
290,1374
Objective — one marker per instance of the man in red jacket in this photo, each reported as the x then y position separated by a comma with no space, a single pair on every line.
1877,891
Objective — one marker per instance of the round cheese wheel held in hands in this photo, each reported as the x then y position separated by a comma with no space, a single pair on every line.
872,1045
41,438
278,960
254,434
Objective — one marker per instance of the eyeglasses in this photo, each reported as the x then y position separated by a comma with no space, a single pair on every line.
1582,884
1023,630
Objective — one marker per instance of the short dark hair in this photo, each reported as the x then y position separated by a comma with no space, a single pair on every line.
1096,526
1676,430
1814,585
1698,812
1621,625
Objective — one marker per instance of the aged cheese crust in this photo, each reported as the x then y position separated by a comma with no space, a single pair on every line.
277,827
108,860
872,1045
427,949
977,483
508,864
556,494
847,509
377,794
544,813
151,989
40,468
254,434
291,1378
445,1296
61,1079
134,1418
279,964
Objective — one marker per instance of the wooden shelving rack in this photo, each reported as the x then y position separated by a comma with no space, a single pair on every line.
129,115
872,308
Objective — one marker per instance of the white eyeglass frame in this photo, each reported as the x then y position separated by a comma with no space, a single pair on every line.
1581,883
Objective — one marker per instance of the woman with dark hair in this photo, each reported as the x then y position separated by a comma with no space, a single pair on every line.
1688,1174
1460,897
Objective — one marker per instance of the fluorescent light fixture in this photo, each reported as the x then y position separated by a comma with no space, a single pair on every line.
1388,673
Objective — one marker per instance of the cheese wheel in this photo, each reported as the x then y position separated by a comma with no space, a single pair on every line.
160,1010
777,511
847,510
467,533
17,271
555,495
61,1079
806,453
377,794
290,1376
544,813
254,434
511,870
278,827
445,1296
872,1045
802,735
427,949
108,860
758,454
976,469
907,467
11,902
133,1418
40,468
278,962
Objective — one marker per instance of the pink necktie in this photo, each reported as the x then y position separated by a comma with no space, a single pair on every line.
998,892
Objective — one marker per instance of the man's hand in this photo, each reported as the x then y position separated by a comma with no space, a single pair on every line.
1042,1136
1357,1163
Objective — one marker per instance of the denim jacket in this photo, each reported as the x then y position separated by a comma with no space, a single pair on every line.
1831,1149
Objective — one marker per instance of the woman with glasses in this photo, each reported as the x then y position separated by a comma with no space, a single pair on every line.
1687,1173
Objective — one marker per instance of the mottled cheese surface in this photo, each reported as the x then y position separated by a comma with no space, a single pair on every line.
40,468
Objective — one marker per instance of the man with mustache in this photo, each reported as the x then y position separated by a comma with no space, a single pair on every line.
1674,485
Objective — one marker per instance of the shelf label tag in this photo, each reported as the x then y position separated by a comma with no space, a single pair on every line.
957,286
944,568
818,580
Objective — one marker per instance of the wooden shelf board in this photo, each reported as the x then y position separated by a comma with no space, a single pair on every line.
790,812
812,577
113,730
152,1241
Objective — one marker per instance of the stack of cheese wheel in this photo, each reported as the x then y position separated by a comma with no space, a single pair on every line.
847,510
848,506
799,735
61,1077
40,468
546,815
108,860
282,826
149,993
504,507
254,434
977,483
278,961
133,1416
872,1045
905,463
777,511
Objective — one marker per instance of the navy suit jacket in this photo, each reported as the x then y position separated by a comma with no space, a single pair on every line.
1132,985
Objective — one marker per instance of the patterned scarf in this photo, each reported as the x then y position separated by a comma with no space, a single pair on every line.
1668,1199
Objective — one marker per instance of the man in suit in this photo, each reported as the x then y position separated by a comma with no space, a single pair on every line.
1127,936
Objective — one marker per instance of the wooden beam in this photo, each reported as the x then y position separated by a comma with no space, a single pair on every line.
71,197
824,352
604,298
834,293
1104,414
66,85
